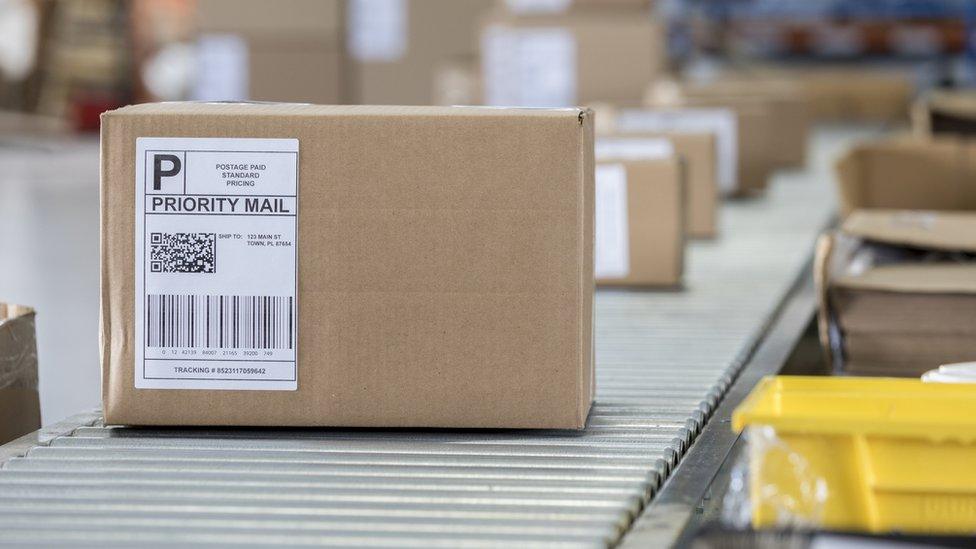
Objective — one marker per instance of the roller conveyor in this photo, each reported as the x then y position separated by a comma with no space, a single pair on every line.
665,360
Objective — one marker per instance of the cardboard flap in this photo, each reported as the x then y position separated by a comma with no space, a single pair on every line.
948,231
933,174
914,277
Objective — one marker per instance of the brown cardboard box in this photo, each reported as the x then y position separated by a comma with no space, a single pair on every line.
945,113
565,60
444,265
20,411
758,153
852,93
270,51
936,174
396,47
281,17
720,123
783,100
698,151
898,291
640,220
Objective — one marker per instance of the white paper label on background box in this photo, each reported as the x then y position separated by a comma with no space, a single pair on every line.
216,263
538,6
222,72
529,67
633,148
720,122
611,250
377,29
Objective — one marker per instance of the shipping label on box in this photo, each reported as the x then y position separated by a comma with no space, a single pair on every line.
216,263
612,245
529,67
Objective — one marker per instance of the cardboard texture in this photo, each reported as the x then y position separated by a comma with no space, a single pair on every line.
837,93
445,267
433,33
786,142
699,153
898,292
936,174
757,128
945,113
20,411
294,49
656,222
634,46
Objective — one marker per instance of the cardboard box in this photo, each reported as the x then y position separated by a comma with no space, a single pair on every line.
936,174
898,291
20,411
566,60
442,275
699,154
851,93
722,123
259,17
269,51
757,150
396,46
782,99
945,113
640,214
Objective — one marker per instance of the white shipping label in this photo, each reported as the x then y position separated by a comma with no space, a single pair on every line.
525,7
720,122
216,263
529,67
633,148
611,248
377,29
221,68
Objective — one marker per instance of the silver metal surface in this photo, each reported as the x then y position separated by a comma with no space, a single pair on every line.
664,362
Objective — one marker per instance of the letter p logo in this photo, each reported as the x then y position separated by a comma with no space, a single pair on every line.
173,168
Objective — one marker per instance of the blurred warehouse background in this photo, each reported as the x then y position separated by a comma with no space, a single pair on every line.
64,62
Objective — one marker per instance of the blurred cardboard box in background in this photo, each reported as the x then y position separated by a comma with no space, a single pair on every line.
640,213
699,154
573,59
905,173
20,410
898,291
289,51
396,46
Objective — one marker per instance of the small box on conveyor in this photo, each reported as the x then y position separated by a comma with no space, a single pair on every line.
898,291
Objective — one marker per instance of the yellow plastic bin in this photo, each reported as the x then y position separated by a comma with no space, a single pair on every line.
867,454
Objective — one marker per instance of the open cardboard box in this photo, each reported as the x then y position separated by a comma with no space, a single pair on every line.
897,291
906,173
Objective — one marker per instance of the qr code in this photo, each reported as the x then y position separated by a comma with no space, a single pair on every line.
183,252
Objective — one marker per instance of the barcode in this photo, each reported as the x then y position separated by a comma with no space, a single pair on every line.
220,321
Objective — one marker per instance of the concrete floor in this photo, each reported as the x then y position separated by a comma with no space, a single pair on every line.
49,252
